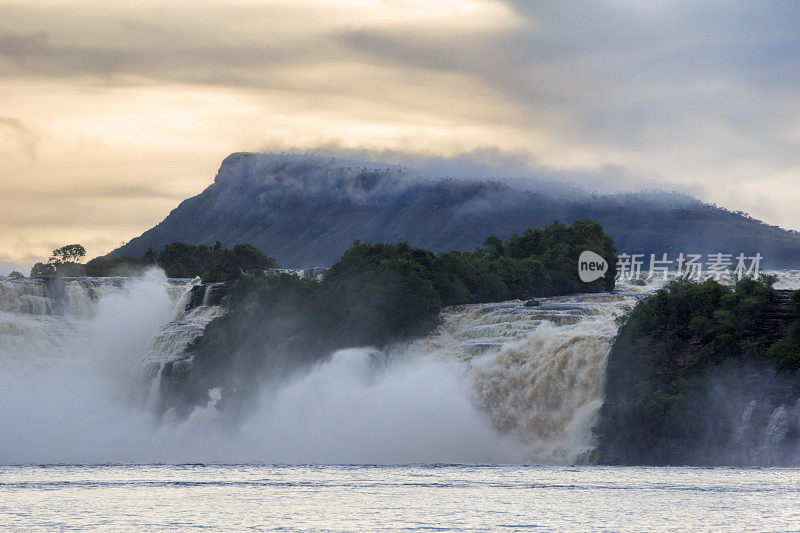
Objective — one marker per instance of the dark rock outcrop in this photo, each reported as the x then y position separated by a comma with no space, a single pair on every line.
210,294
776,317
723,409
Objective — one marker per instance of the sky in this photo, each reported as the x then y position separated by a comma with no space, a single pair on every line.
111,113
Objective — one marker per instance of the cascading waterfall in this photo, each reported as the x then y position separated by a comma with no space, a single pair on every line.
170,344
527,380
536,372
69,357
501,382
39,317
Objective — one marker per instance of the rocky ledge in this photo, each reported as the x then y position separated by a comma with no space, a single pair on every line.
676,396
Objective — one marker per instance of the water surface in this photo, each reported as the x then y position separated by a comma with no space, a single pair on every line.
397,498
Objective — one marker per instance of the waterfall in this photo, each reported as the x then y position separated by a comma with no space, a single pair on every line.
507,382
44,317
170,344
536,372
500,382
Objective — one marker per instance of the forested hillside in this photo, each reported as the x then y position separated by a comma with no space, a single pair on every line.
306,210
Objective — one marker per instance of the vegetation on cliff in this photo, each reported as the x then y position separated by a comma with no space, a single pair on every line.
179,260
377,294
680,369
786,352
540,262
64,261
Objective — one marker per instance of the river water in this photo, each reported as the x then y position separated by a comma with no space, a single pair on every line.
397,498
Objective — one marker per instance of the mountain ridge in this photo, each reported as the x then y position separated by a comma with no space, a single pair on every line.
306,209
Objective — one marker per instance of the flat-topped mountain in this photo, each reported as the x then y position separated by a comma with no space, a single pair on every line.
305,210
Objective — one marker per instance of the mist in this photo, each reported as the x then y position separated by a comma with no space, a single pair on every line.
82,399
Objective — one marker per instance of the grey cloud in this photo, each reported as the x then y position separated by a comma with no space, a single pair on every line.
636,77
34,52
563,45
114,46
592,71
90,192
608,46
520,168
714,80
245,65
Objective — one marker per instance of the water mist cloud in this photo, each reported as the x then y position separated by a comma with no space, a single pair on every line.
353,409
82,398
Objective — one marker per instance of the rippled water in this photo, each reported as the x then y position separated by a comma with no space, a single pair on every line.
397,498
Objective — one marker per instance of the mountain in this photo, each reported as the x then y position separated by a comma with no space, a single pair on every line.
305,210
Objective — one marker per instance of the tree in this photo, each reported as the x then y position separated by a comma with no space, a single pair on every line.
71,253
247,256
15,275
40,270
150,256
494,247
63,262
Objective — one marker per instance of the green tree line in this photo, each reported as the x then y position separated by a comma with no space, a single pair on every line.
178,260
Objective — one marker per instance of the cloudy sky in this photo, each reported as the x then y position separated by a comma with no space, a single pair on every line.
113,112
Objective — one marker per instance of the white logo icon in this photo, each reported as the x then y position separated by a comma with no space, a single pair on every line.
591,266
